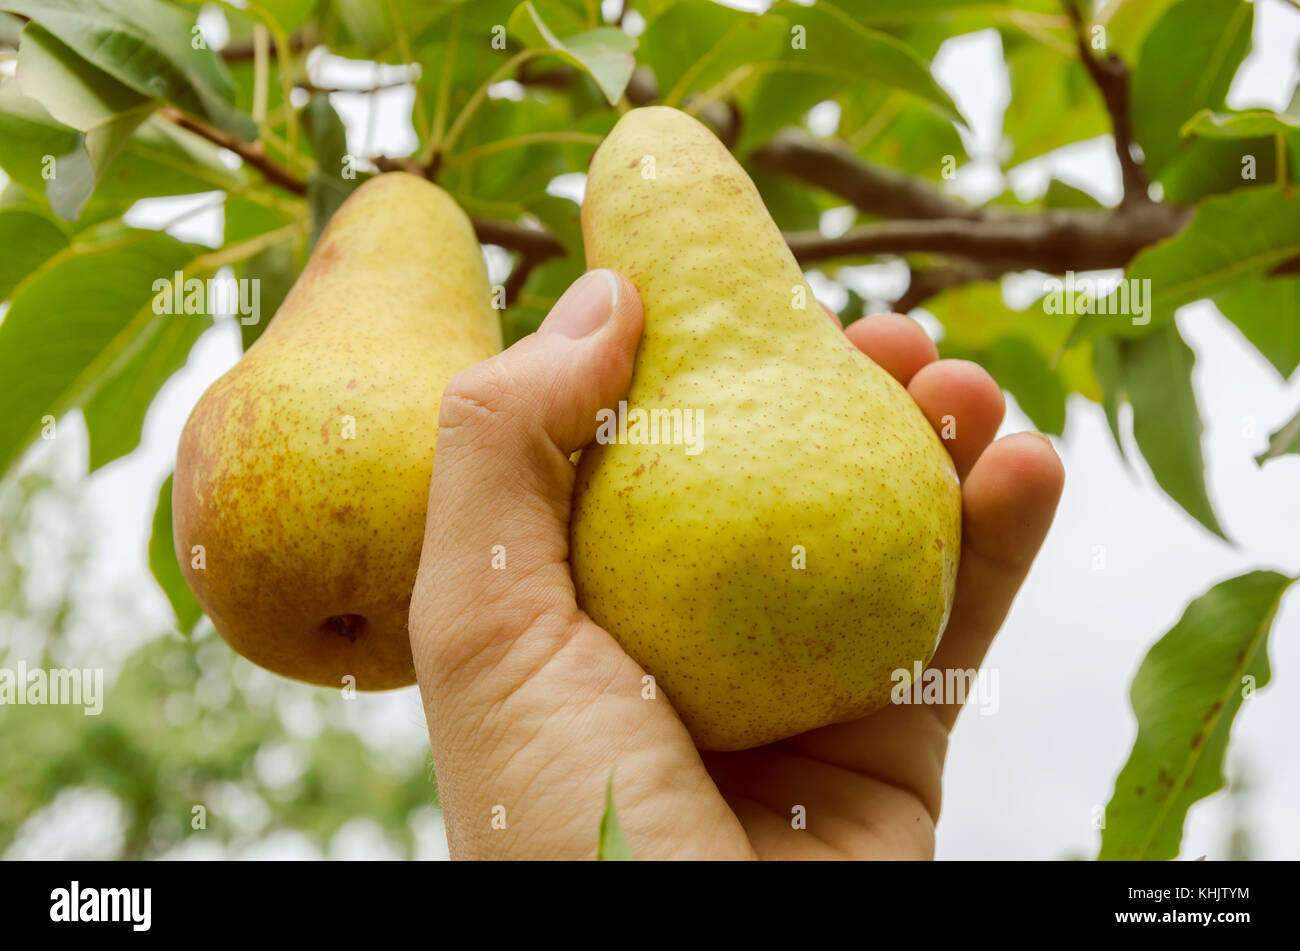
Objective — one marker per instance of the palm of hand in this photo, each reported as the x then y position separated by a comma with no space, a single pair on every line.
519,697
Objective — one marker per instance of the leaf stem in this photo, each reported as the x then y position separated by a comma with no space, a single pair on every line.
517,141
476,100
246,249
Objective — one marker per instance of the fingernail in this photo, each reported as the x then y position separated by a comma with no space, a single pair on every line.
585,307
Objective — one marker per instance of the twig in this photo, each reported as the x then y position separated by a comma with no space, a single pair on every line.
1053,241
514,284
518,141
1110,76
531,242
869,188
251,152
987,243
928,281
354,90
243,52
475,100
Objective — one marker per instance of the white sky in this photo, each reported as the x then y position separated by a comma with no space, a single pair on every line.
1024,782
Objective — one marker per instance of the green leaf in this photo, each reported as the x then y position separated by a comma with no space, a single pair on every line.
85,99
1157,372
369,22
1127,24
792,205
289,14
1216,166
562,218
80,318
72,90
146,45
1062,195
1053,101
605,52
1186,696
544,287
1187,63
1233,240
976,319
275,268
695,44
891,12
1107,365
166,569
327,188
520,173
1283,442
612,846
894,128
29,239
1268,314
374,29
1248,123
806,55
1017,365
115,414
158,159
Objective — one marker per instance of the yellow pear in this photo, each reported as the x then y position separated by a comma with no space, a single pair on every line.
302,477
770,526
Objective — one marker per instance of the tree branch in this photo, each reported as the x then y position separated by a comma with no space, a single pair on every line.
244,52
251,152
928,281
1052,241
869,188
1110,76
534,244
986,242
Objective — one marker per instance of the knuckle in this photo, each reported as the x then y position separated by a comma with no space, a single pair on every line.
478,401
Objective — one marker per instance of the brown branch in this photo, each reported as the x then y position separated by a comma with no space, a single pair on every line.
1111,76
926,282
408,164
986,242
641,90
514,284
533,244
250,152
244,52
355,90
1052,241
869,188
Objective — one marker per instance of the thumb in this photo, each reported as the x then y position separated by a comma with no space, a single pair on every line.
495,557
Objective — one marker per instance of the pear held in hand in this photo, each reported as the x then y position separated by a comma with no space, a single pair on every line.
774,562
302,477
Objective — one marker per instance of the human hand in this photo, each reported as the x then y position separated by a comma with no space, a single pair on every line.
531,705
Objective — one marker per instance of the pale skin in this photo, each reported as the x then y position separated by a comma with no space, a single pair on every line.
531,705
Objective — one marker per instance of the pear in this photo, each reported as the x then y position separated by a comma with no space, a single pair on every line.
770,527
302,476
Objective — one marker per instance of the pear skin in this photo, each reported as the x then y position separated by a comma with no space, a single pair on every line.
775,568
302,476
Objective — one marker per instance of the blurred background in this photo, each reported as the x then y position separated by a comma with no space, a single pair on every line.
290,771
